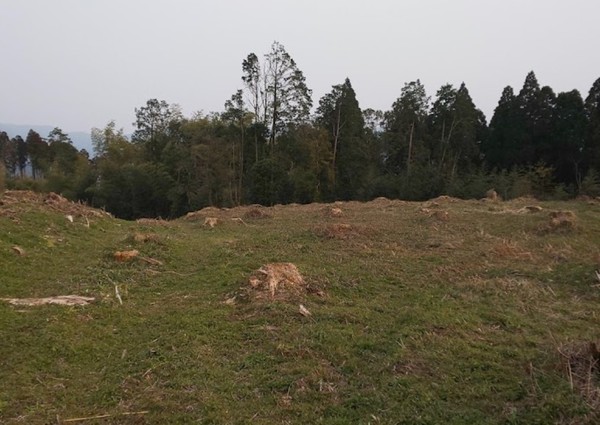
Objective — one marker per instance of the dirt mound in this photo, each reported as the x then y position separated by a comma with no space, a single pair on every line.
152,222
381,199
444,198
277,278
14,202
203,213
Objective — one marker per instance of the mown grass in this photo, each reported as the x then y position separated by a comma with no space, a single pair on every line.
424,319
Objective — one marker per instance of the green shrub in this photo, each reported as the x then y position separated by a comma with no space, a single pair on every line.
590,185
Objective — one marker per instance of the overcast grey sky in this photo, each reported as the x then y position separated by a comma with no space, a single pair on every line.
77,64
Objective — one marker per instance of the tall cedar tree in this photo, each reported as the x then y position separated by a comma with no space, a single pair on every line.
592,136
405,128
340,115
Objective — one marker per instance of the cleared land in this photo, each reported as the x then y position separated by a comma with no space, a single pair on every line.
442,311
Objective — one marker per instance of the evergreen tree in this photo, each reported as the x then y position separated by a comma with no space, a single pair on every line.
592,134
405,129
457,129
468,134
340,115
39,154
566,155
22,156
501,149
534,121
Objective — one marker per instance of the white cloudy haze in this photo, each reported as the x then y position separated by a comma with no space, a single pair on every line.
77,64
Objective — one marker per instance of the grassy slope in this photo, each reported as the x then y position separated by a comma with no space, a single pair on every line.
424,321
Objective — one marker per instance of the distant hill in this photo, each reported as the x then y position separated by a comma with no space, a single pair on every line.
81,139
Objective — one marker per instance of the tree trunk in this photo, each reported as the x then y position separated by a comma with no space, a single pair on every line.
410,143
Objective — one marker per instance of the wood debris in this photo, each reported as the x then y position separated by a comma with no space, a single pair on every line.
66,300
20,251
125,256
304,311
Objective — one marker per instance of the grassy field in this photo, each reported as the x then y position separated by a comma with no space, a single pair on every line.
445,311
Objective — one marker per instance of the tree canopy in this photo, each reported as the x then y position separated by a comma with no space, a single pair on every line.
266,147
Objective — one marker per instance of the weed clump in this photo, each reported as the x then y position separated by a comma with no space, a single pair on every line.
581,366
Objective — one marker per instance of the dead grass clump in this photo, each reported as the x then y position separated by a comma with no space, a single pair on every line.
256,213
440,215
55,199
277,279
558,254
512,250
194,215
337,231
211,222
560,221
333,212
145,238
581,365
492,195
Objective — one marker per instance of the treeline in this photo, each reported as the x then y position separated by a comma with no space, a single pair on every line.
265,147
